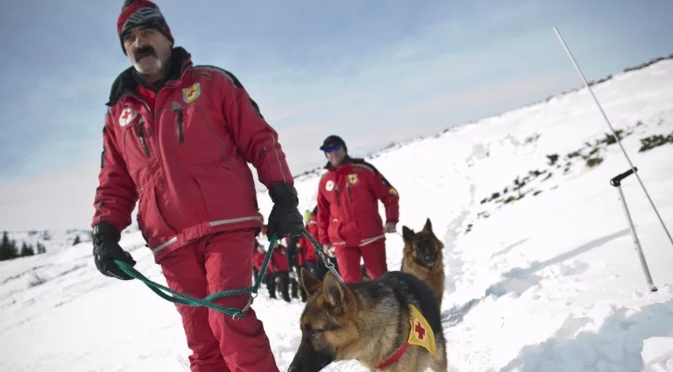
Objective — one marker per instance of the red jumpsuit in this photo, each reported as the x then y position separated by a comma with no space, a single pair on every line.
182,152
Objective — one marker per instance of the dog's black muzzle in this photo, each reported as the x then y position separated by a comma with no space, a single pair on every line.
428,261
308,359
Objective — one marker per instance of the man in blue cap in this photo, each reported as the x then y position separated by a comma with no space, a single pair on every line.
350,227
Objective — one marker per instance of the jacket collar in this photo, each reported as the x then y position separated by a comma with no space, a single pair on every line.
127,81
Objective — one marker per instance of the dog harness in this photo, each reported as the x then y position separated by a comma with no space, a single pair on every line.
420,334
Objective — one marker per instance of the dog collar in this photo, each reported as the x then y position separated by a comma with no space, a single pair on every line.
420,333
395,357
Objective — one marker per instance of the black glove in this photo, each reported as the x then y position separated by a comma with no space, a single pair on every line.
106,249
284,219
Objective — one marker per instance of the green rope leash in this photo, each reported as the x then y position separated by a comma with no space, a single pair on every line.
187,300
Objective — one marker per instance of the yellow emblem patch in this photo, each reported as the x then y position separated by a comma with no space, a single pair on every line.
421,333
353,178
192,93
392,191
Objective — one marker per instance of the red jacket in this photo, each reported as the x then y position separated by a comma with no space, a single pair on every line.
258,261
306,248
309,250
348,210
185,156
279,259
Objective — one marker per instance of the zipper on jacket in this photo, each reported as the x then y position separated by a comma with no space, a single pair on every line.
141,136
350,196
181,137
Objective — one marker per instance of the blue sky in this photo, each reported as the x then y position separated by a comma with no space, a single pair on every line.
373,71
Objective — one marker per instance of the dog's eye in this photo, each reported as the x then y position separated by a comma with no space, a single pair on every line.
329,327
312,331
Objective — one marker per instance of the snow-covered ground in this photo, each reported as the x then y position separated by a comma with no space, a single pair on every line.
547,282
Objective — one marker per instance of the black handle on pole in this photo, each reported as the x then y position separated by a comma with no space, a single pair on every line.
617,180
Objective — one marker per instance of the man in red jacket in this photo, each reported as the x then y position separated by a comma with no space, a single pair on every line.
177,138
349,223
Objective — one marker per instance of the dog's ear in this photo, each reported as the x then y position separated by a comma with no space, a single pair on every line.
334,290
428,226
407,234
310,283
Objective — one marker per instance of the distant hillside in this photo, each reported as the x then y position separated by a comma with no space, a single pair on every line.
393,145
18,244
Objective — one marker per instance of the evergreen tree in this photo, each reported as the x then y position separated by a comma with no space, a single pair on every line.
40,248
26,250
77,240
8,249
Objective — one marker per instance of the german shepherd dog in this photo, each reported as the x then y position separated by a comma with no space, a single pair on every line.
391,324
422,256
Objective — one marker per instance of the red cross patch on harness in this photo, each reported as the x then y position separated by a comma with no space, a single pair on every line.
421,333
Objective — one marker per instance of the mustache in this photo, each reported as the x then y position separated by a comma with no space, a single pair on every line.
144,51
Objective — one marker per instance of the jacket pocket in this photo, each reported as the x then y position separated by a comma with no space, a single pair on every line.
334,231
152,224
224,193
193,138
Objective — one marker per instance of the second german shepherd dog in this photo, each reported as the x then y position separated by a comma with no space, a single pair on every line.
391,324
422,256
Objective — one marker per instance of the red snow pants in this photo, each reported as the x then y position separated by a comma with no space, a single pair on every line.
212,264
373,254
